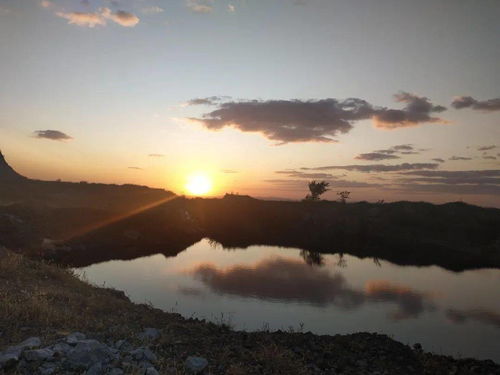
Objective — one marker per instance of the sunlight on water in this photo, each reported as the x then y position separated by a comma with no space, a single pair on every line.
447,312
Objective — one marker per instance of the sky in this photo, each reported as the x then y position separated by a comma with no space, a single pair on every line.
390,100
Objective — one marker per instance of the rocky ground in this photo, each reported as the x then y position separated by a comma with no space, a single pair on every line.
45,308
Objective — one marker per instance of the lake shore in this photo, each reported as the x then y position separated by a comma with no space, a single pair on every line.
49,302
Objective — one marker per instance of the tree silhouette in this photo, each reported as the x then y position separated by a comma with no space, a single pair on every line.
343,196
316,189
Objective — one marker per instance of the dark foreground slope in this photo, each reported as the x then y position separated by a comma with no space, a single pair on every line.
43,300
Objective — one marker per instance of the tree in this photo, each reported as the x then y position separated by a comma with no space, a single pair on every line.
343,196
316,189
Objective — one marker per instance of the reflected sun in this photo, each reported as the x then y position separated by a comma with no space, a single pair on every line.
199,184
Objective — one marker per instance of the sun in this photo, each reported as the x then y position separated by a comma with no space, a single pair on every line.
198,184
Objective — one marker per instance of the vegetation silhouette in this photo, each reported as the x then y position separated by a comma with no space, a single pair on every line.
316,189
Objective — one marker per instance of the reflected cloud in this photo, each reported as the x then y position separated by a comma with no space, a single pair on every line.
285,279
280,279
410,303
483,316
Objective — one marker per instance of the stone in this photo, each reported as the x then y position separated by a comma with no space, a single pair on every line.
8,360
149,334
61,348
12,354
143,354
151,371
88,352
38,354
95,369
195,365
74,337
116,371
47,368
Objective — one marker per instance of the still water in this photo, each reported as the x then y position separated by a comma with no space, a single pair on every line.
282,288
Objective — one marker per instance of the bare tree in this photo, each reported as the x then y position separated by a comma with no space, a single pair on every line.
317,189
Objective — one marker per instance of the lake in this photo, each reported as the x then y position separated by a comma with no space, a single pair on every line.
266,287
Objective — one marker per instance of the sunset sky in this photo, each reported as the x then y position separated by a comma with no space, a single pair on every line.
388,99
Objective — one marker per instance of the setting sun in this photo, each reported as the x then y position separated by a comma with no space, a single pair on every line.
199,184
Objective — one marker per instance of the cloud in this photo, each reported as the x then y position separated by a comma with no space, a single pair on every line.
489,105
489,157
418,110
229,171
314,120
486,148
376,156
459,158
301,184
46,3
120,17
456,174
92,19
152,10
200,6
377,167
156,155
289,120
231,8
54,135
439,160
299,174
137,168
87,19
211,100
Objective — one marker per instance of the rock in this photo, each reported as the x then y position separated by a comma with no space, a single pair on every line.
12,354
61,348
151,371
195,365
74,337
38,354
140,354
88,352
123,345
149,334
95,369
116,371
47,368
8,360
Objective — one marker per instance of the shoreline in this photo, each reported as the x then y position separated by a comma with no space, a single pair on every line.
50,302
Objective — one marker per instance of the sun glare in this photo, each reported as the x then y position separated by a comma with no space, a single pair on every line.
198,184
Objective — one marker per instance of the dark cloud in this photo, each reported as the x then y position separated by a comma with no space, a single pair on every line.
211,100
314,120
418,110
229,171
489,157
439,160
286,279
376,156
299,174
290,120
489,105
137,168
469,188
156,155
54,135
486,148
301,184
377,167
483,316
459,158
456,174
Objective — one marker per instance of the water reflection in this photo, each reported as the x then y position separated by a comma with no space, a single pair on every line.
285,279
447,312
